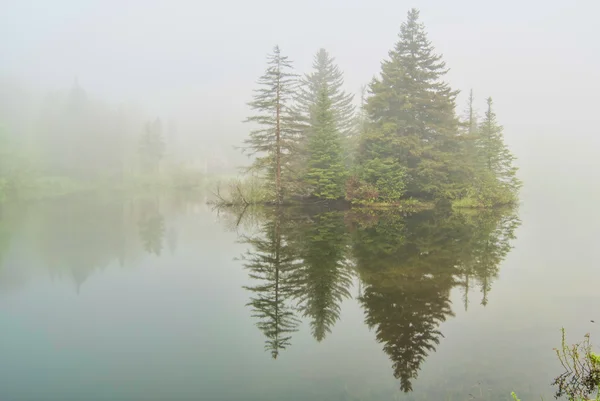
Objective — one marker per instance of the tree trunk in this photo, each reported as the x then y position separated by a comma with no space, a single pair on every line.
278,143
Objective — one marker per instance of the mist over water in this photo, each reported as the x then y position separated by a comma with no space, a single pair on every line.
119,281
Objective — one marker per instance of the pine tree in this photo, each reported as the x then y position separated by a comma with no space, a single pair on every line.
275,139
412,118
327,75
496,157
325,173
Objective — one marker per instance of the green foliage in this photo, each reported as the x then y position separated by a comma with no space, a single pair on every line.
387,175
411,115
275,140
581,376
249,190
495,155
410,144
326,76
488,163
325,172
360,192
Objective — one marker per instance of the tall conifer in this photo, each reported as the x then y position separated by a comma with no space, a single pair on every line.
412,115
276,137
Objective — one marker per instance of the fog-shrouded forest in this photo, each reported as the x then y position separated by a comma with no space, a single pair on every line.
308,138
77,123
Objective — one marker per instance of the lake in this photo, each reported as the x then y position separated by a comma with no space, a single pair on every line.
164,298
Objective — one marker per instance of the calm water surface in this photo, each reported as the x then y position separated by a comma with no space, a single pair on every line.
166,299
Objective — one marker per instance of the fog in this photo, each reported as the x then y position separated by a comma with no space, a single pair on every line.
147,282
196,63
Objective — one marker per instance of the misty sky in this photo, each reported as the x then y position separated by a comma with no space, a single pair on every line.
197,61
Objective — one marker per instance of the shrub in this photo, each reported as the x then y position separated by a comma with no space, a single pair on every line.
581,377
387,176
241,191
358,191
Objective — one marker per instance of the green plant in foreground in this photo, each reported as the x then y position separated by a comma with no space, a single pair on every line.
581,377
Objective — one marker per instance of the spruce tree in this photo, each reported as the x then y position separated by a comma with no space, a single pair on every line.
471,117
327,75
325,171
275,139
496,157
412,115
474,181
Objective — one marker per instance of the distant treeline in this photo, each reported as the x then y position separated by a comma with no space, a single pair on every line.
69,141
404,141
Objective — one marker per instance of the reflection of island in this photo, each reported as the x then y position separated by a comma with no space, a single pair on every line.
407,266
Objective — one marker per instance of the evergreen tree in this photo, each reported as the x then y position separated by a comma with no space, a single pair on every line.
275,140
361,119
471,117
496,157
152,146
325,172
327,76
474,181
412,119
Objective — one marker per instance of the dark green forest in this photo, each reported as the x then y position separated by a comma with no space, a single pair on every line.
404,141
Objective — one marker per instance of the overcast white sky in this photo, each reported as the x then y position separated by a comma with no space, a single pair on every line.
197,61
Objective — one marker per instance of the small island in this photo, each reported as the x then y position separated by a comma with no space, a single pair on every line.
403,145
